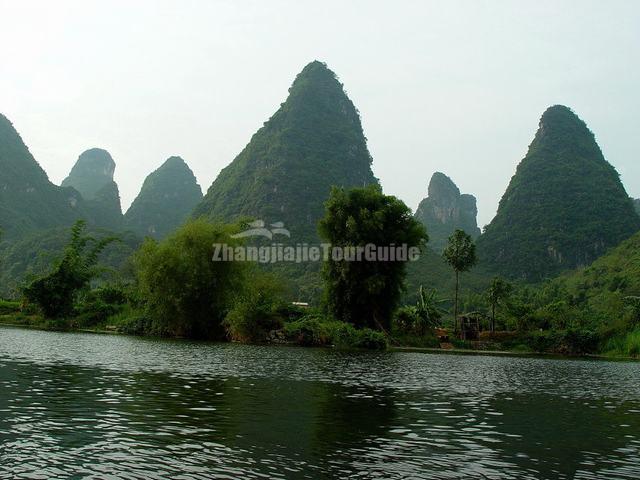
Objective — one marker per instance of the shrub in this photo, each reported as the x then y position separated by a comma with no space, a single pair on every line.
7,307
406,318
315,330
91,314
310,330
251,320
567,342
347,336
258,310
134,322
626,345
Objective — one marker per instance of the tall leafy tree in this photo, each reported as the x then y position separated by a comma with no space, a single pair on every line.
56,292
498,291
365,293
460,253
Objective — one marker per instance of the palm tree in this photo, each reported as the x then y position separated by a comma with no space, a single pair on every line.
461,255
498,291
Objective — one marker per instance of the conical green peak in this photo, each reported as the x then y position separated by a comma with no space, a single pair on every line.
316,80
315,70
168,195
564,207
561,123
313,142
174,162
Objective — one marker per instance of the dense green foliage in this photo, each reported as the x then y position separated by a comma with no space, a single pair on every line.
28,200
445,210
34,253
497,292
366,293
56,292
316,330
92,176
166,199
258,310
422,317
564,207
313,142
184,291
590,310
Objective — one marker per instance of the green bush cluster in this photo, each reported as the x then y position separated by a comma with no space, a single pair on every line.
566,342
316,330
624,345
257,312
9,307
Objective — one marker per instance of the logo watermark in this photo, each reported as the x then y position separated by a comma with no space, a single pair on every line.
305,252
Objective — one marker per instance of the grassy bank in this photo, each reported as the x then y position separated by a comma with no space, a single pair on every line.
282,324
308,330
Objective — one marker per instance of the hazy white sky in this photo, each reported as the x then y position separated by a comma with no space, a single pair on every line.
455,86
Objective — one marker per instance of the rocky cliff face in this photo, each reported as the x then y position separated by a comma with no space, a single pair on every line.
92,176
166,199
445,210
564,207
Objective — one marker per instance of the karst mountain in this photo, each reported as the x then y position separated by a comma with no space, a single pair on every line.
564,207
166,199
445,209
92,176
312,142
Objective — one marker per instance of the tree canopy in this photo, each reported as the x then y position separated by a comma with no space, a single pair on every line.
366,293
185,291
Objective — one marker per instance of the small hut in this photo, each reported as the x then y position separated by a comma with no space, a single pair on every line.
471,325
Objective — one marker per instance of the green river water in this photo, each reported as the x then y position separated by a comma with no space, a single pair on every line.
78,405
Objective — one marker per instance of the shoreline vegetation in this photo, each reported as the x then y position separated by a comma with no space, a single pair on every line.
19,321
174,288
310,331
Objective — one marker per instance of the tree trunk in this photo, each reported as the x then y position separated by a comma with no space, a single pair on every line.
455,308
493,318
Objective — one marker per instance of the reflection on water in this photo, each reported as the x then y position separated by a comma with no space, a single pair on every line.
79,405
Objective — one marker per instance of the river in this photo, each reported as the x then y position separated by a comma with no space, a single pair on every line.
76,405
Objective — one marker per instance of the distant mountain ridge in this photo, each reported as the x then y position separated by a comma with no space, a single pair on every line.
564,207
166,199
445,209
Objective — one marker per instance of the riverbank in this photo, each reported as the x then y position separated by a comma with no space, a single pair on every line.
332,336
